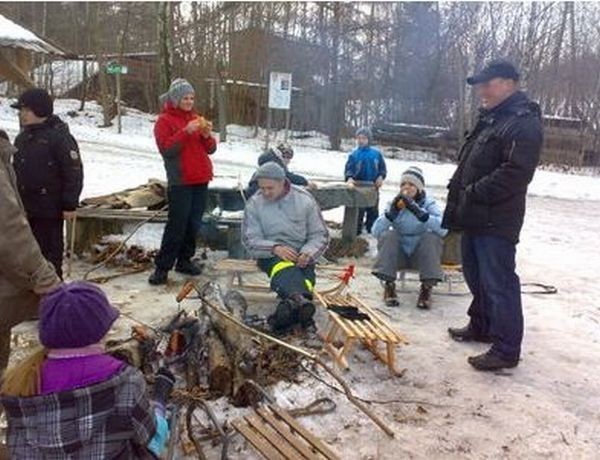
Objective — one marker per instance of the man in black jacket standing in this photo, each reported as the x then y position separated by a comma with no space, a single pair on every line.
486,201
49,172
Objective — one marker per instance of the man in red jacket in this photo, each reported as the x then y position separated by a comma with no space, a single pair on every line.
185,142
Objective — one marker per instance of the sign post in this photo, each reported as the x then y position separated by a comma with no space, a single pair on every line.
114,68
280,98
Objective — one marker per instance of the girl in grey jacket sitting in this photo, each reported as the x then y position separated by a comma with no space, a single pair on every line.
410,235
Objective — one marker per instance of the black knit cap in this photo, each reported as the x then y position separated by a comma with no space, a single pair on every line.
498,68
37,100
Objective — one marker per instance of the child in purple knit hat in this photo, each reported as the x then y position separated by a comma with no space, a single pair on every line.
72,382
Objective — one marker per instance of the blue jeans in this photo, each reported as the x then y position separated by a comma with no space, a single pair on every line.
488,264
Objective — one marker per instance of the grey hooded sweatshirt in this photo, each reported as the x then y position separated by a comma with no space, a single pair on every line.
293,220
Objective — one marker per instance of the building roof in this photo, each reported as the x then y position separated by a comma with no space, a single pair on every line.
13,35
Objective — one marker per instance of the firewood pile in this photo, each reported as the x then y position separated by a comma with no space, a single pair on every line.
215,357
152,196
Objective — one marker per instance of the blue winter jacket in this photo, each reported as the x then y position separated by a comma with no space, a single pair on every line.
410,228
365,164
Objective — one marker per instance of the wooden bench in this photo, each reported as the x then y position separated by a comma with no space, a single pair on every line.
453,276
275,434
237,269
374,333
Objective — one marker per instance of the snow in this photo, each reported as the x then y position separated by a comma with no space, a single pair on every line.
11,31
545,408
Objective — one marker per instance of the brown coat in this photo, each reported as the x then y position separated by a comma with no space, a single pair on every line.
24,273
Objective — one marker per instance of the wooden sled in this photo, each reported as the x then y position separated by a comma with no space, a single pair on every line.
374,333
276,435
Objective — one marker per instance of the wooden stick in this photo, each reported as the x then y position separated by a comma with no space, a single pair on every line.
191,285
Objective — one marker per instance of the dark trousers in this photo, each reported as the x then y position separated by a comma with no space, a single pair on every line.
186,206
371,215
288,279
488,264
49,235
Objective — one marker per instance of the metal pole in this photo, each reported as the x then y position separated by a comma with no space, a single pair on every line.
119,102
287,123
269,116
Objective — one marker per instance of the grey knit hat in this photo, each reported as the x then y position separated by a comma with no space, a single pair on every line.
178,89
365,131
270,170
414,175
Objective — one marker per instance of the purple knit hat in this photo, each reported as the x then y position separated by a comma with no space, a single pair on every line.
75,315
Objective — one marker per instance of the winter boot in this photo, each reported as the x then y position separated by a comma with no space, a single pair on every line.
284,318
305,308
467,334
424,300
489,361
389,294
158,277
187,267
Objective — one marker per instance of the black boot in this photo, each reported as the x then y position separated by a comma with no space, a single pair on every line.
187,267
389,294
424,300
158,277
489,361
466,334
284,318
305,308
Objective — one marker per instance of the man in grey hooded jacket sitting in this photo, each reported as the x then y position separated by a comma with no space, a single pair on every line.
284,230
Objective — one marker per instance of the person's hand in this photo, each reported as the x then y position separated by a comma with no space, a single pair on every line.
303,260
350,182
193,126
164,382
207,129
421,214
378,182
69,215
395,208
285,253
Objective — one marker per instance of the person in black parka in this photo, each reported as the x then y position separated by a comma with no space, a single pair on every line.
49,172
486,201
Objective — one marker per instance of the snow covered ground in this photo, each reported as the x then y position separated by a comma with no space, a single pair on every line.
545,408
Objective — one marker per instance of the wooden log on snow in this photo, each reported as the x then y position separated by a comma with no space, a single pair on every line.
242,350
220,372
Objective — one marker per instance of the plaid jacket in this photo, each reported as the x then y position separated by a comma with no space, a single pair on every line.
110,420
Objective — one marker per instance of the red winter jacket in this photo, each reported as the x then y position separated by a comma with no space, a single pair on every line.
186,156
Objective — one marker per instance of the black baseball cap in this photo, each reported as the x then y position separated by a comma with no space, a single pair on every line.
499,68
36,99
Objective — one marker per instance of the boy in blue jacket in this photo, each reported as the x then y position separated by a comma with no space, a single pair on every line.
366,165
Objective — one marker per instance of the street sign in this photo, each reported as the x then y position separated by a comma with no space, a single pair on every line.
280,90
115,68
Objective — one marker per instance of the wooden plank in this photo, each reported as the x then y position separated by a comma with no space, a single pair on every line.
259,443
313,440
277,441
285,431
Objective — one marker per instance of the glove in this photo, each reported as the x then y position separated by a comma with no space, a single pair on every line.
417,210
163,385
395,208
